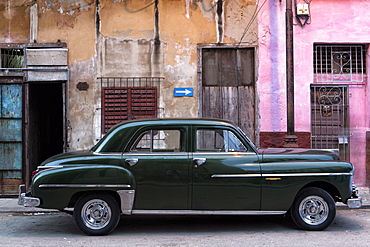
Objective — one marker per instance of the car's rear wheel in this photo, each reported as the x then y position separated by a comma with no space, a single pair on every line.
96,213
313,209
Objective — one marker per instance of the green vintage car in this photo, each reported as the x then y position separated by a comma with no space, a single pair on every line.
190,167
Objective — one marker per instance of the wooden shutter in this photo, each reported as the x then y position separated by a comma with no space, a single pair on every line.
127,103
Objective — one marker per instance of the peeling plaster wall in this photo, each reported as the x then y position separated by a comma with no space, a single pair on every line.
73,22
83,107
120,38
239,15
189,26
14,22
130,58
127,19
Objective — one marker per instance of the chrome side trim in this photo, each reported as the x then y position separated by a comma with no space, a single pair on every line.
279,175
226,153
306,174
108,153
48,167
84,186
205,212
155,153
127,200
236,176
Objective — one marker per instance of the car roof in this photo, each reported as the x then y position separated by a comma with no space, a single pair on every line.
126,129
175,121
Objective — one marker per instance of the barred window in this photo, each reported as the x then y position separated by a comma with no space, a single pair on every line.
12,58
340,63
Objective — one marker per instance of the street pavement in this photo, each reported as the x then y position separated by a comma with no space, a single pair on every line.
10,205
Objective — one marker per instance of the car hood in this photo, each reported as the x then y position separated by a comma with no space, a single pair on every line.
281,154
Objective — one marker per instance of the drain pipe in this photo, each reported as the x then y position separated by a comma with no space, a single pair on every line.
290,139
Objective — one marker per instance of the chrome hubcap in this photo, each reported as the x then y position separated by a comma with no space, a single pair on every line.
313,210
96,214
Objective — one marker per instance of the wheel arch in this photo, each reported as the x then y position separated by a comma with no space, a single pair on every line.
78,195
124,198
328,187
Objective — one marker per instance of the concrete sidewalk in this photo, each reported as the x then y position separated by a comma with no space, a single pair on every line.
10,205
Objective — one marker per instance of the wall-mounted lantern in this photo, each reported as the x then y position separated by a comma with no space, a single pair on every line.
302,9
303,13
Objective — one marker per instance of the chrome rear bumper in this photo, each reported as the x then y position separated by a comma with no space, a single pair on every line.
26,201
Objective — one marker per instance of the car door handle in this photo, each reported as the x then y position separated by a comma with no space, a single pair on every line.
200,161
132,162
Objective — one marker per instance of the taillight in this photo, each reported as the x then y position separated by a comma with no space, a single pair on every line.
34,173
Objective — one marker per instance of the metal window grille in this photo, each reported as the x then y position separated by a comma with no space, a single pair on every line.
129,98
340,64
12,58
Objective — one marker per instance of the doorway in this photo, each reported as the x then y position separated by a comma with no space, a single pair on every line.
45,132
330,118
228,86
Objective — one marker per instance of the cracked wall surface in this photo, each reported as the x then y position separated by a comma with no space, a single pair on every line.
127,38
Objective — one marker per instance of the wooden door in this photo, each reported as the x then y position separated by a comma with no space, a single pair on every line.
11,139
228,86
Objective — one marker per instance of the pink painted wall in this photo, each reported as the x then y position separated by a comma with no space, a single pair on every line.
332,21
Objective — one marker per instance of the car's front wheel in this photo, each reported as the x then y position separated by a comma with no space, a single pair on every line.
313,209
96,213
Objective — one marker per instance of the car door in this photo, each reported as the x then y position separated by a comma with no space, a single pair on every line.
225,171
160,163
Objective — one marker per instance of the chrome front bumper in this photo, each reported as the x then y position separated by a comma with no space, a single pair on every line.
355,201
26,201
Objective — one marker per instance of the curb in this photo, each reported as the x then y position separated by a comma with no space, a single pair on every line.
10,205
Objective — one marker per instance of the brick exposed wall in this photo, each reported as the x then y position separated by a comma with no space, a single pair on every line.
276,139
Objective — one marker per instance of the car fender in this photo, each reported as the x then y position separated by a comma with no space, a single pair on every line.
56,187
288,178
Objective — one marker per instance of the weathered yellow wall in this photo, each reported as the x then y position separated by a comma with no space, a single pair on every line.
14,22
240,21
182,25
73,22
68,22
123,19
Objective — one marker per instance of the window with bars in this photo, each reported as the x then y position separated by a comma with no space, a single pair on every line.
340,63
12,58
127,99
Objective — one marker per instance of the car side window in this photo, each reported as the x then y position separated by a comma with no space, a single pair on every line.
159,141
218,140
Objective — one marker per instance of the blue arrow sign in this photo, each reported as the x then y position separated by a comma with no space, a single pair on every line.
183,91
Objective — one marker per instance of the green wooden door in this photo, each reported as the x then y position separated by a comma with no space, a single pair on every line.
11,131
